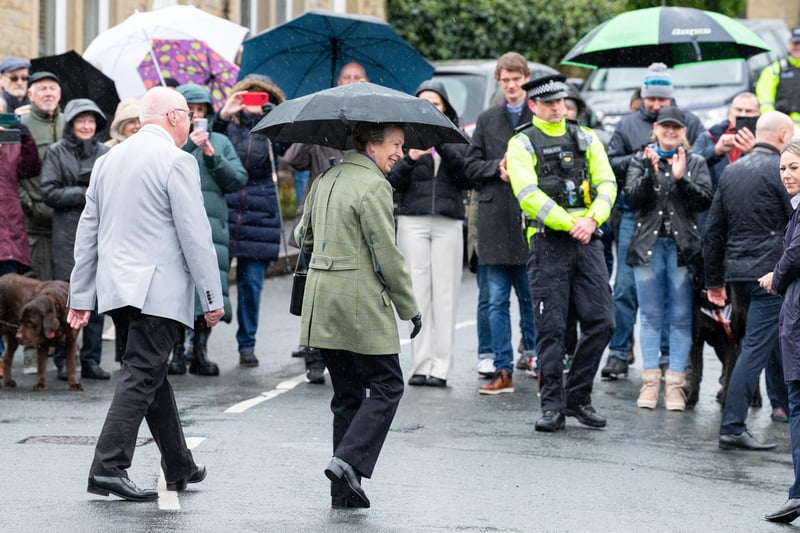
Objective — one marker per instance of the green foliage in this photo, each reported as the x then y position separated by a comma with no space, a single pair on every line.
541,30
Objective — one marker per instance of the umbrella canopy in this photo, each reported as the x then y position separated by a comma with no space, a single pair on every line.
119,50
189,62
304,55
328,117
670,35
79,79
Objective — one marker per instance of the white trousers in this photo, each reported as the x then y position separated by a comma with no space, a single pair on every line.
434,248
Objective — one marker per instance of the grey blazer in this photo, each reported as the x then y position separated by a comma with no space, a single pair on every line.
143,238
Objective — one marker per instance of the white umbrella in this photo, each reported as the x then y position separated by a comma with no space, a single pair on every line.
118,51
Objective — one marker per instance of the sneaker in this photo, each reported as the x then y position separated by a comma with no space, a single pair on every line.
500,384
523,363
533,366
615,368
30,361
248,359
779,415
486,368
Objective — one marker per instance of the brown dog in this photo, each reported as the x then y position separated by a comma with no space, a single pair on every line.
15,291
43,324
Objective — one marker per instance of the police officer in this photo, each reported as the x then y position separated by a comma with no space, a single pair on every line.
563,181
778,87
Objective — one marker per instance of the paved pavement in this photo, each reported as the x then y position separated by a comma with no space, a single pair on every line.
453,461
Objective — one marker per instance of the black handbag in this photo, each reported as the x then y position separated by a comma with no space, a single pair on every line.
298,290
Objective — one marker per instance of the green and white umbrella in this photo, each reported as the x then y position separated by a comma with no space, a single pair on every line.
670,35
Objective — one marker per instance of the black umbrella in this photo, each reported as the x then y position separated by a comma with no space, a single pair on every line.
80,79
327,117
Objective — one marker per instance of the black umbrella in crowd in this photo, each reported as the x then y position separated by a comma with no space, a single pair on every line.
80,79
328,117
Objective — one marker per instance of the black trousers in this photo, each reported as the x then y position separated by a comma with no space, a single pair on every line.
366,392
143,392
562,270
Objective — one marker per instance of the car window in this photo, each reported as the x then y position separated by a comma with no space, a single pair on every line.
465,92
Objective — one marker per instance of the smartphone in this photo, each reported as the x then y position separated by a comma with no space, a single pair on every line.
9,119
746,122
255,98
201,124
9,136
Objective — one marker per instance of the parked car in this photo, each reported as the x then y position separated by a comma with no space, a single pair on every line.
705,88
471,86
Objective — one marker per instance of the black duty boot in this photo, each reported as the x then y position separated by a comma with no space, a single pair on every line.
177,365
315,367
200,365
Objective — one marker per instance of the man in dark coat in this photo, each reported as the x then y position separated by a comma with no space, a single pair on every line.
502,250
742,243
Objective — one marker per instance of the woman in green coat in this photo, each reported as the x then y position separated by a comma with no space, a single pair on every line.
221,172
356,273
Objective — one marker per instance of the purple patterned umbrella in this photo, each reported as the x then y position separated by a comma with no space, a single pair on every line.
188,61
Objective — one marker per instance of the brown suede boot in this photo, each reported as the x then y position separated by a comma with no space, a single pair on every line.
674,397
651,386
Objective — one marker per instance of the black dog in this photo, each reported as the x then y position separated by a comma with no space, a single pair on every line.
722,329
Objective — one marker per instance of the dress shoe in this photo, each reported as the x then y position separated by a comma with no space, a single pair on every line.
339,469
417,379
62,373
743,441
300,351
551,421
119,486
587,416
93,371
502,383
433,381
788,512
615,368
197,475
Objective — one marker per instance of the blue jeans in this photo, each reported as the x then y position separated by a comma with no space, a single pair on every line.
300,180
499,280
92,348
249,283
665,297
484,331
760,346
522,288
794,432
625,300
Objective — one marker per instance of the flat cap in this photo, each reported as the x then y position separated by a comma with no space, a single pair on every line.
12,63
42,75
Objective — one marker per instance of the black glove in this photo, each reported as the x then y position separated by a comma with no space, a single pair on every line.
416,322
266,108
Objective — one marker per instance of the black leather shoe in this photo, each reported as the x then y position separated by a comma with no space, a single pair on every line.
300,351
197,475
551,421
587,416
339,469
615,368
93,372
248,359
743,441
433,381
119,486
62,374
417,379
788,512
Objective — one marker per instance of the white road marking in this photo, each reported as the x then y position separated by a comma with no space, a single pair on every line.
168,499
283,386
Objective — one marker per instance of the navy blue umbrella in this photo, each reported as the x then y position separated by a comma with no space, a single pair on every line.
305,55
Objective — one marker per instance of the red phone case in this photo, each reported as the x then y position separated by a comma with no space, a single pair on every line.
255,98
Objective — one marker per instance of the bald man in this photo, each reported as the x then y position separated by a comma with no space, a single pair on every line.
743,241
142,248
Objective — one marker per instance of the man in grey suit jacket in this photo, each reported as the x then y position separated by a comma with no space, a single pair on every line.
142,247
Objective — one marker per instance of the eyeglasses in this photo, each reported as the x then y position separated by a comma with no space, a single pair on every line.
14,78
190,114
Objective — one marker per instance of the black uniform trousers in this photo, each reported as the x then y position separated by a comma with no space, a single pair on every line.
366,392
143,392
562,270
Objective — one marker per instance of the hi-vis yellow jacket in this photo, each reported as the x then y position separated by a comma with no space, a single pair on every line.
536,204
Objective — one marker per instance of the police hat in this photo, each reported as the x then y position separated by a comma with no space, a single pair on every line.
794,37
547,88
12,63
42,75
